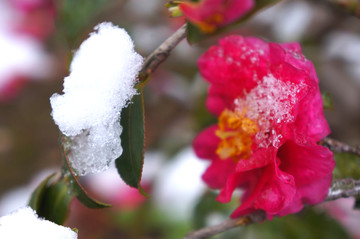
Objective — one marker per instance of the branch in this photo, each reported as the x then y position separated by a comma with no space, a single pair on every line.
342,188
161,53
254,217
340,147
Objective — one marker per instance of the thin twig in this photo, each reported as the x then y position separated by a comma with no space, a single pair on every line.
206,232
344,188
161,53
340,147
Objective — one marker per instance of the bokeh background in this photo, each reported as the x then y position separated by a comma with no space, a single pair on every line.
37,40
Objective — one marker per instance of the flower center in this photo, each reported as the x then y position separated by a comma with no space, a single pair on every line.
235,131
210,23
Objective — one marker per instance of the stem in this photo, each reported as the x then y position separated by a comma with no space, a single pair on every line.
254,217
340,147
161,53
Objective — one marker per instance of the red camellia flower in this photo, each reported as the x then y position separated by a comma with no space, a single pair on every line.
210,14
267,99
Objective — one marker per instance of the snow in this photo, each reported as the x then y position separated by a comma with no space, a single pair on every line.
270,103
24,223
101,83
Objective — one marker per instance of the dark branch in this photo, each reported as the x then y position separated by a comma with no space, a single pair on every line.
161,53
340,147
254,217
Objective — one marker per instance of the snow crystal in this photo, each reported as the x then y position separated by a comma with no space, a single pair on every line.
101,82
24,223
270,103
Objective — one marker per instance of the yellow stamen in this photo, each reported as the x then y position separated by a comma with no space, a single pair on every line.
210,23
235,131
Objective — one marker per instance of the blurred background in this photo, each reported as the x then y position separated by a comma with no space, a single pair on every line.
37,40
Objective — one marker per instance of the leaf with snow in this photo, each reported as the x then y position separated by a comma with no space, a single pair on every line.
101,83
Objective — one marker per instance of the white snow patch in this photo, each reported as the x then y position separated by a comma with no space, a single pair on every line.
24,223
101,83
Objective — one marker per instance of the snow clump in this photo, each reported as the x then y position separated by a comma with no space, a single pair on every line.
101,83
24,223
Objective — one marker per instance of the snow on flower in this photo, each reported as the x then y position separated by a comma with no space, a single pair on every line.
24,223
210,14
101,83
267,98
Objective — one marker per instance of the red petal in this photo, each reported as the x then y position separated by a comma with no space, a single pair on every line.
274,191
218,172
306,163
206,143
259,158
309,194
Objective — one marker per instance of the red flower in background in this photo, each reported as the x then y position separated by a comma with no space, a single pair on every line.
24,26
269,106
210,14
36,18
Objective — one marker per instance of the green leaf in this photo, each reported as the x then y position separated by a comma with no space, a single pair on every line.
130,163
51,200
38,195
327,101
347,166
194,34
78,191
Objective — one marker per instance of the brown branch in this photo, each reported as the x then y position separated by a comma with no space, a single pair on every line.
340,147
342,188
161,53
206,232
